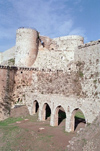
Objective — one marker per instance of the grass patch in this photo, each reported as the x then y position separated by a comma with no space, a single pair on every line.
80,74
32,118
79,114
10,121
11,61
95,81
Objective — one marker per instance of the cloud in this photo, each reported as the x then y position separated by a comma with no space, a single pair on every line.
79,31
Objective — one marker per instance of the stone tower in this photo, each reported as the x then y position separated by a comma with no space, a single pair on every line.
26,47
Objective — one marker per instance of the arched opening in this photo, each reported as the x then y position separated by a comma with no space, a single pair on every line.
60,115
77,120
46,112
35,107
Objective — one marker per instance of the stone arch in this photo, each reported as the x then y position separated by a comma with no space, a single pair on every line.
75,120
59,116
35,107
46,112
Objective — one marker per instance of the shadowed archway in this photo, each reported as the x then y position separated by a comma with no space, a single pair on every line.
46,112
35,107
60,115
77,118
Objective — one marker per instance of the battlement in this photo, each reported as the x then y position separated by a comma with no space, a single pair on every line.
68,42
31,69
92,43
70,37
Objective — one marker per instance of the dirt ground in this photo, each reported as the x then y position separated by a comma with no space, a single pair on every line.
33,135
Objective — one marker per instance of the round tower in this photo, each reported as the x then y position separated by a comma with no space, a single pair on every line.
26,47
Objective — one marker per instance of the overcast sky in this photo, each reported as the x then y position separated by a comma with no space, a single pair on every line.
53,18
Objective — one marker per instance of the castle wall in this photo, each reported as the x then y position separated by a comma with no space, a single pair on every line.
55,88
48,82
67,42
26,47
87,59
46,40
6,90
7,57
55,60
59,55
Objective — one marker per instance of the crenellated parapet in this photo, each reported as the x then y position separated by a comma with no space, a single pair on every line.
32,69
68,42
92,43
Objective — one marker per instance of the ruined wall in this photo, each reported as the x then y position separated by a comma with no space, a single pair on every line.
59,55
87,59
55,88
55,60
46,40
6,90
47,82
67,42
26,47
8,57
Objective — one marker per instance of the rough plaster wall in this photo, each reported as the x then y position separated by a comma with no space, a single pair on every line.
68,42
7,55
6,89
55,60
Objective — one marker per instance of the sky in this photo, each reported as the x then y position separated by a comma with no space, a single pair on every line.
53,18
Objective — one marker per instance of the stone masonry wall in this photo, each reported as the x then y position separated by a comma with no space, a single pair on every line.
67,42
45,82
87,58
55,87
6,90
7,57
55,60
46,40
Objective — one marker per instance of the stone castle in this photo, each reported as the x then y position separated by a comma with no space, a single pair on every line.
51,75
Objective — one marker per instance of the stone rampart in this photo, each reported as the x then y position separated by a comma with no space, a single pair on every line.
8,57
54,60
88,65
57,88
6,90
68,42
92,43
